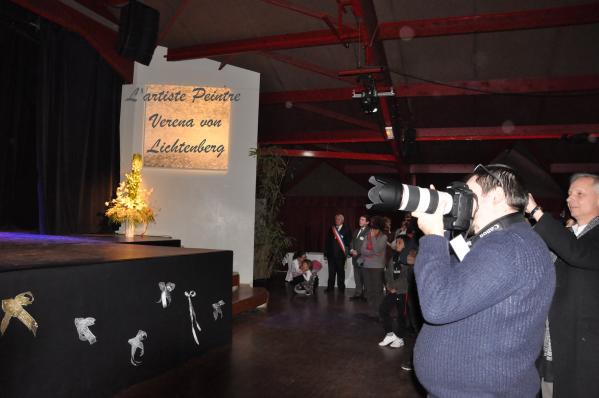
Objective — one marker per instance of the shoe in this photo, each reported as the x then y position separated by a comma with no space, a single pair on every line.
328,290
389,338
397,343
407,366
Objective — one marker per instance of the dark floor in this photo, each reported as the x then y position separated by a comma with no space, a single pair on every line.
322,346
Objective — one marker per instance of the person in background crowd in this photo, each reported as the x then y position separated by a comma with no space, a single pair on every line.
485,316
570,363
373,253
336,252
396,287
294,272
357,262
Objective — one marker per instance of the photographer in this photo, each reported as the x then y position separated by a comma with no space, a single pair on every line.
486,314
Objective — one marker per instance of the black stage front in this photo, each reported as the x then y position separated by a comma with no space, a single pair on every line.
117,284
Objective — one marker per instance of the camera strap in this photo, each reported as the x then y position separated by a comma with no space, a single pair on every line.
461,247
498,225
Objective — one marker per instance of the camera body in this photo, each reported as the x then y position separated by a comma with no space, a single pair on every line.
457,202
460,216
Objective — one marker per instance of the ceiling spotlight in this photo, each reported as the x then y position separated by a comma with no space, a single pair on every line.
368,98
389,132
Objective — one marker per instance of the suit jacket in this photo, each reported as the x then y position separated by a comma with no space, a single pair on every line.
331,247
574,314
356,243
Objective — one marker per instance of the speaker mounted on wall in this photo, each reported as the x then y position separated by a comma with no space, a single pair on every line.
138,32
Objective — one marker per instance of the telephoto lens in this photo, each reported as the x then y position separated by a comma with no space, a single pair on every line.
387,194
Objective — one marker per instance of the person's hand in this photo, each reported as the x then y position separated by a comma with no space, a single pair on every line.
431,224
353,253
411,258
531,203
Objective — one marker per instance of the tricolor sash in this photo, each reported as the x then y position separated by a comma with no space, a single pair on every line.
338,239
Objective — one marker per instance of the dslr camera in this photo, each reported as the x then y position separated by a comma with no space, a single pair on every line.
457,201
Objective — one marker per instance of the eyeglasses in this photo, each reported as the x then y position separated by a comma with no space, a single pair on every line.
480,167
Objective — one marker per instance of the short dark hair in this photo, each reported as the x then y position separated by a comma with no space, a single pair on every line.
377,222
499,175
298,254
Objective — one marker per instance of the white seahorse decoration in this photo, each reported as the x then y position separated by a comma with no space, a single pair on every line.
82,325
165,293
137,343
218,311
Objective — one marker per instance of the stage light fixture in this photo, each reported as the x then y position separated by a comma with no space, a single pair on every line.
389,132
369,97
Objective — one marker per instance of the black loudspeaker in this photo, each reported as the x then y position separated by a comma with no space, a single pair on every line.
138,32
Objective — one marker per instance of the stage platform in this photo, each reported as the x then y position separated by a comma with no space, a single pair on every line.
118,285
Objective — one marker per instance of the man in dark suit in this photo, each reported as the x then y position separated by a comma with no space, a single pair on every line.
571,353
354,251
336,250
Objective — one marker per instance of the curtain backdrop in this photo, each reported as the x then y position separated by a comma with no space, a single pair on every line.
308,218
18,81
78,113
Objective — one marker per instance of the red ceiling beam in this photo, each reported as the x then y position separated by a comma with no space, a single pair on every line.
97,35
328,137
334,155
337,116
570,168
530,19
308,66
555,168
495,22
100,8
476,87
448,168
314,14
525,132
277,42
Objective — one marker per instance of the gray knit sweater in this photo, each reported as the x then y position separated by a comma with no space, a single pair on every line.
485,316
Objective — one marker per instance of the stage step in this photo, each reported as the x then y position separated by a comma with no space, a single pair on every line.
235,281
247,298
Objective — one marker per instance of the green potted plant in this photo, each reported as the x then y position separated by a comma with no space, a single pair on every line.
270,240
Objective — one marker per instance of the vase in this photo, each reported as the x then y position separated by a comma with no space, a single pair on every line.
129,229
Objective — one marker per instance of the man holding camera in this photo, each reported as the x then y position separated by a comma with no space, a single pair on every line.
571,352
486,313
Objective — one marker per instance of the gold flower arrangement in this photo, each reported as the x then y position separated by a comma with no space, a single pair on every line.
130,204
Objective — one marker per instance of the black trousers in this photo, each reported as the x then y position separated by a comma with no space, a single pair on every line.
336,269
390,301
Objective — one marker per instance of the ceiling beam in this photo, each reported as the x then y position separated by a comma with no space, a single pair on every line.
571,168
492,133
327,19
337,116
276,42
307,66
333,155
529,19
100,8
494,22
97,35
524,132
468,87
325,137
463,168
